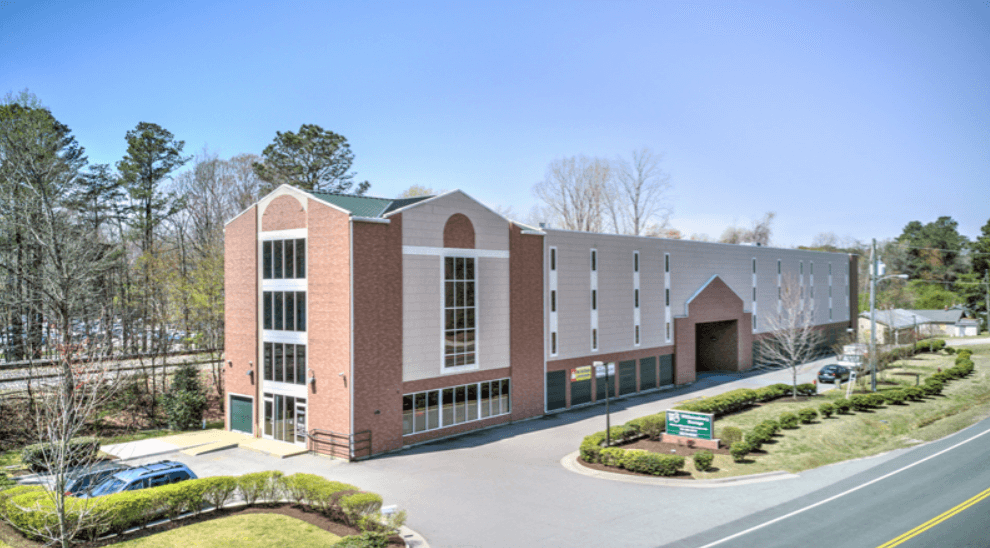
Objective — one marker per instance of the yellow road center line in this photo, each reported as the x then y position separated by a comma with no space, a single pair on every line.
936,520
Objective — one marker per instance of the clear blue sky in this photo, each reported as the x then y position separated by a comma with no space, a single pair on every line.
845,117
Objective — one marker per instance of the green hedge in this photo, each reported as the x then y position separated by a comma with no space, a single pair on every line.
929,345
807,415
703,460
739,450
730,435
788,421
360,506
826,409
728,402
79,451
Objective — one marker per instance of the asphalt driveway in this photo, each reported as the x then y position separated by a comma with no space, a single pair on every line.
506,486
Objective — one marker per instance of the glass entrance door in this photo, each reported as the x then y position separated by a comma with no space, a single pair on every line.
285,418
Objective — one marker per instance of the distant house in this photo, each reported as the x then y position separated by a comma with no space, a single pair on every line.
897,326
948,322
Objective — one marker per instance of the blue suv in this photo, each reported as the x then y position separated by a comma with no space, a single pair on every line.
141,477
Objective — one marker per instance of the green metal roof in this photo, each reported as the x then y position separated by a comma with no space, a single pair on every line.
366,206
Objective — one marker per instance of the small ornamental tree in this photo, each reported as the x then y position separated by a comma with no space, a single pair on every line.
185,402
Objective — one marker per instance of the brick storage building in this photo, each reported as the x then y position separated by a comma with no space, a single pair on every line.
380,323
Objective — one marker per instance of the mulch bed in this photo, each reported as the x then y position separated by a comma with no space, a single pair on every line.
12,537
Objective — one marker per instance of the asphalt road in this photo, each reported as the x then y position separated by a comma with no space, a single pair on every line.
934,495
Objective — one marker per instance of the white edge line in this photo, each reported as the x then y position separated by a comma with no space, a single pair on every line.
844,493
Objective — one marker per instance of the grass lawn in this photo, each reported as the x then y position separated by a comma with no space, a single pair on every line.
244,531
859,434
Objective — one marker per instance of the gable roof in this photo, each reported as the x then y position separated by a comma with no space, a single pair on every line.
366,206
898,318
939,316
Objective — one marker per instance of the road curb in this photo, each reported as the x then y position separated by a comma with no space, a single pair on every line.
412,538
570,462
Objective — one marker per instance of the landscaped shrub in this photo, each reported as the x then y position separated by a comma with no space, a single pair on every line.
949,350
756,438
185,496
591,447
703,460
219,490
730,435
826,409
860,402
731,401
876,400
622,433
612,456
739,450
260,486
894,397
914,393
656,464
807,389
359,505
965,352
807,415
842,406
929,345
78,451
367,539
771,425
932,388
652,425
788,421
772,392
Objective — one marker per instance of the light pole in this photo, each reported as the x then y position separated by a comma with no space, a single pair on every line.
608,418
876,276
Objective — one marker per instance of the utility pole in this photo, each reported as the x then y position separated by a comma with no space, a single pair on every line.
986,283
873,315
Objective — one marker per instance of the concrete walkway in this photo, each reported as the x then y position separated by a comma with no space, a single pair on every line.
199,443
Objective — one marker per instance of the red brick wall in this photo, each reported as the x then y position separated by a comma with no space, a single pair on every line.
526,322
458,232
329,325
378,332
283,213
716,303
241,309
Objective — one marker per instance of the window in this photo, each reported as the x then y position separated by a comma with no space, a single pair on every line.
812,266
594,339
553,258
459,312
284,310
754,266
802,268
636,298
283,259
594,260
666,297
636,262
594,299
637,335
778,266
668,331
754,293
285,363
666,262
553,301
435,409
553,342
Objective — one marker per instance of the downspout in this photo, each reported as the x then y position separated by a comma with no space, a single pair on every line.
350,383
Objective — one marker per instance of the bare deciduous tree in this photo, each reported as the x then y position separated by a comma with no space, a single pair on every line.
793,338
575,192
641,193
759,233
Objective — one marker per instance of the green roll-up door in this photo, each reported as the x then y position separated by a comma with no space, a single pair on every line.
666,370
556,390
580,392
600,387
241,414
627,377
647,373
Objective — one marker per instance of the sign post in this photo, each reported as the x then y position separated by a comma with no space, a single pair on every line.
689,424
601,370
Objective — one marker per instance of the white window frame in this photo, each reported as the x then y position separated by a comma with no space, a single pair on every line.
466,254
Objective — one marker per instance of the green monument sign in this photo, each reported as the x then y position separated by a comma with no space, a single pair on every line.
689,424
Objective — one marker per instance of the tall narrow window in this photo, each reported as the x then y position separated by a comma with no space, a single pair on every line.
277,260
594,339
637,334
290,311
267,297
300,311
636,262
636,298
279,311
553,258
290,259
594,260
666,297
553,301
754,266
553,343
268,361
301,258
666,262
266,260
594,299
459,311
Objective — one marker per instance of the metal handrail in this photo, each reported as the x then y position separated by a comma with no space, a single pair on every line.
340,445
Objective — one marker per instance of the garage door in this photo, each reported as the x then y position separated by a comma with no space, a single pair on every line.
241,414
647,373
556,390
580,392
627,377
666,370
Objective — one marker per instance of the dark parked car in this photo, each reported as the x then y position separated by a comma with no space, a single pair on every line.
91,478
141,477
830,372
